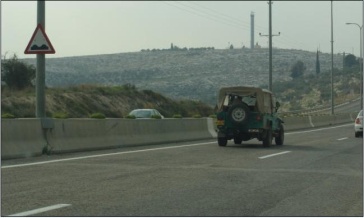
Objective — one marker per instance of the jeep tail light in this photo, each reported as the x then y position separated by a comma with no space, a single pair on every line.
258,117
357,121
220,122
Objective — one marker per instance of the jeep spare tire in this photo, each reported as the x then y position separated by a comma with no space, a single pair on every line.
238,113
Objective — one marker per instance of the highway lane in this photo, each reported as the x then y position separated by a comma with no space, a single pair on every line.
316,173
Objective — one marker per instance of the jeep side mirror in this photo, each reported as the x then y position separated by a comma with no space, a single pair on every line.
277,105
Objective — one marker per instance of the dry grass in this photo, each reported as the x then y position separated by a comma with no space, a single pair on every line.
85,100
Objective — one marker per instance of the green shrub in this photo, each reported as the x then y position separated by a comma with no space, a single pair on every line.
7,116
156,117
213,116
177,116
130,117
197,116
98,116
60,115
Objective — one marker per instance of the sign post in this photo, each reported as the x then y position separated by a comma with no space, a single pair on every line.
40,45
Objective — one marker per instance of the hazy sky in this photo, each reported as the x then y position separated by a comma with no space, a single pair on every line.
101,27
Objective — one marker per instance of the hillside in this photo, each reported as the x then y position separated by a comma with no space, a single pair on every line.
314,91
183,74
84,100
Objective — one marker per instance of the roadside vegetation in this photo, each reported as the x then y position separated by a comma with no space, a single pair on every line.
18,98
303,91
309,91
93,101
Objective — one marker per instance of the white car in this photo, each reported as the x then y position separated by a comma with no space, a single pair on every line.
359,124
146,113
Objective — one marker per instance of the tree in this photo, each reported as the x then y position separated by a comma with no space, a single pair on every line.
17,74
298,69
350,61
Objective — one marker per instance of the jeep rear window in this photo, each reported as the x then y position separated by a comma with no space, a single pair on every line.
250,100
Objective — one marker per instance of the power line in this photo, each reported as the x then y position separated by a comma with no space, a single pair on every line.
203,15
227,20
224,16
290,42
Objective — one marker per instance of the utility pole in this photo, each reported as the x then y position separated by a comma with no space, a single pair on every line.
252,30
40,73
332,63
270,44
360,63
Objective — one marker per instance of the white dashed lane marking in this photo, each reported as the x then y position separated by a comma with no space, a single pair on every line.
342,139
272,155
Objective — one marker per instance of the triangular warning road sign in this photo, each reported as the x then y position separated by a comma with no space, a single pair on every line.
39,43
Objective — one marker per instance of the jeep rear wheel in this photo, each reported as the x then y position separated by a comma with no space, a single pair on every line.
267,141
238,113
222,141
237,140
279,139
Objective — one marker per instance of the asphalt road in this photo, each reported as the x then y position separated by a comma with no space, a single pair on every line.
316,173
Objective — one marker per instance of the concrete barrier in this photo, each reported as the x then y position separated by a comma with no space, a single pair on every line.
91,134
21,138
329,120
296,123
323,120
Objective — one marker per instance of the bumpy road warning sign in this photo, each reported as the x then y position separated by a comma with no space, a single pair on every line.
39,43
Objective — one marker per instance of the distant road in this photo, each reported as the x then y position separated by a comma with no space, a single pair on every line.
316,173
349,107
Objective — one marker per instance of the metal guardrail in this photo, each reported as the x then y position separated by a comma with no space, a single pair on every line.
318,110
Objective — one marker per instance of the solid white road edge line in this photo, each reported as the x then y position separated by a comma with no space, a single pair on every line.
271,155
40,210
102,155
315,130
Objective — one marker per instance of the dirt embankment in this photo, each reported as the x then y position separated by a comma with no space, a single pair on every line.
113,102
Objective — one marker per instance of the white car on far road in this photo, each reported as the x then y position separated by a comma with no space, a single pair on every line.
146,113
359,124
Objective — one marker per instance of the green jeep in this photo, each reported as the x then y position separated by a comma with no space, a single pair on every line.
246,113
